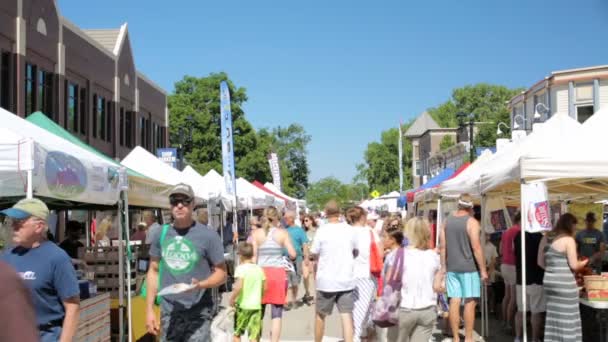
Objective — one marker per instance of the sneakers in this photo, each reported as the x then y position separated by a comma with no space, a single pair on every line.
308,300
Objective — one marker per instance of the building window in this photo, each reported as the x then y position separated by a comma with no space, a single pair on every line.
584,112
30,89
5,80
417,168
129,122
45,93
100,108
122,126
83,111
71,115
109,120
142,132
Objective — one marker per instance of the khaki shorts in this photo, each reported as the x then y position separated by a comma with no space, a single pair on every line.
535,299
508,274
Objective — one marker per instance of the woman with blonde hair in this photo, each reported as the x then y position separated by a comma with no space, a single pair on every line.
421,266
101,236
365,282
268,245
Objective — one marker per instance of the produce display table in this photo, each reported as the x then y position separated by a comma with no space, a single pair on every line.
94,320
599,317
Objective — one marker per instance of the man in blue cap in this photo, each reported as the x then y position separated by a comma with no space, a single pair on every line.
46,270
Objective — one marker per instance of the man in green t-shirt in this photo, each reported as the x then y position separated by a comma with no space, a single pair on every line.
247,295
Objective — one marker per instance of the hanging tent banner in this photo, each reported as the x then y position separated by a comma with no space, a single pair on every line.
275,170
54,167
535,198
227,140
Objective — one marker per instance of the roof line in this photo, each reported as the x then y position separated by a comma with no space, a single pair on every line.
119,40
77,30
566,71
150,82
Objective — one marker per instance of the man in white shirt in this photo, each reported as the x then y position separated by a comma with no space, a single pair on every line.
335,248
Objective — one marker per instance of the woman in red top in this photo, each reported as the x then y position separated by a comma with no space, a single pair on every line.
507,268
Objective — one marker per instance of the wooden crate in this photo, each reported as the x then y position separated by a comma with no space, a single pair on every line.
104,255
94,321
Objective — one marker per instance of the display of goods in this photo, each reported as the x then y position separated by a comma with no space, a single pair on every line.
597,295
595,282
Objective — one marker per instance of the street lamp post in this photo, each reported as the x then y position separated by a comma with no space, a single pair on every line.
538,114
498,131
468,119
523,120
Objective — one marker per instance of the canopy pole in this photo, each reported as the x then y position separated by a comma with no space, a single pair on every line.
30,186
121,271
484,288
524,220
128,238
439,221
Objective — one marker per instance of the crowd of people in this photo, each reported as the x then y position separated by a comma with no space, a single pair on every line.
383,274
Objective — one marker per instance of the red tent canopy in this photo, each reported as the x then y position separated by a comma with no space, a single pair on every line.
265,189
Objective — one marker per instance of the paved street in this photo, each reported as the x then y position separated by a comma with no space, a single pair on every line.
298,326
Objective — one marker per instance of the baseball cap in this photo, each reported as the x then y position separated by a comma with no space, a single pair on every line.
27,207
182,189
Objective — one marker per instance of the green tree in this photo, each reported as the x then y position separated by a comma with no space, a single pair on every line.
320,192
485,101
200,99
446,142
381,162
290,143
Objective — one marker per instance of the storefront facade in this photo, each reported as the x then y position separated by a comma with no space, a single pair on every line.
84,80
578,93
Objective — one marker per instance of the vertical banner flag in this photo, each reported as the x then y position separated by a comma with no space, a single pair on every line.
227,141
167,156
400,160
275,170
536,200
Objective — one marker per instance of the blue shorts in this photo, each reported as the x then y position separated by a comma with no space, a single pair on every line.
463,285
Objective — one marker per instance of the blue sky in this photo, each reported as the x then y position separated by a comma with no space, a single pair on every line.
346,70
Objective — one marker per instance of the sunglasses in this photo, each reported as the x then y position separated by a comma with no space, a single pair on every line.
184,201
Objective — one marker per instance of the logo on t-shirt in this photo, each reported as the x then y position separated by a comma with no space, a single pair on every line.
29,275
179,255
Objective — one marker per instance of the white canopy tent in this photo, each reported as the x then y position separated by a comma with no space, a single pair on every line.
578,157
256,197
59,169
468,180
149,165
386,202
299,203
548,139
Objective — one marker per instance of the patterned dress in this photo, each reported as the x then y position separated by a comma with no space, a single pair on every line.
563,323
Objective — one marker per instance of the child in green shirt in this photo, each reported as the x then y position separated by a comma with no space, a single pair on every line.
247,295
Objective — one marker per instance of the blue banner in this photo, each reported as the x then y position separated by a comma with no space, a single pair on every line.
227,140
167,156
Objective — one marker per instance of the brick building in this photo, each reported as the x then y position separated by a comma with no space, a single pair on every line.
85,80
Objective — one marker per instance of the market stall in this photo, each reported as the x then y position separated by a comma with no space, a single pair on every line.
35,162
114,268
300,204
